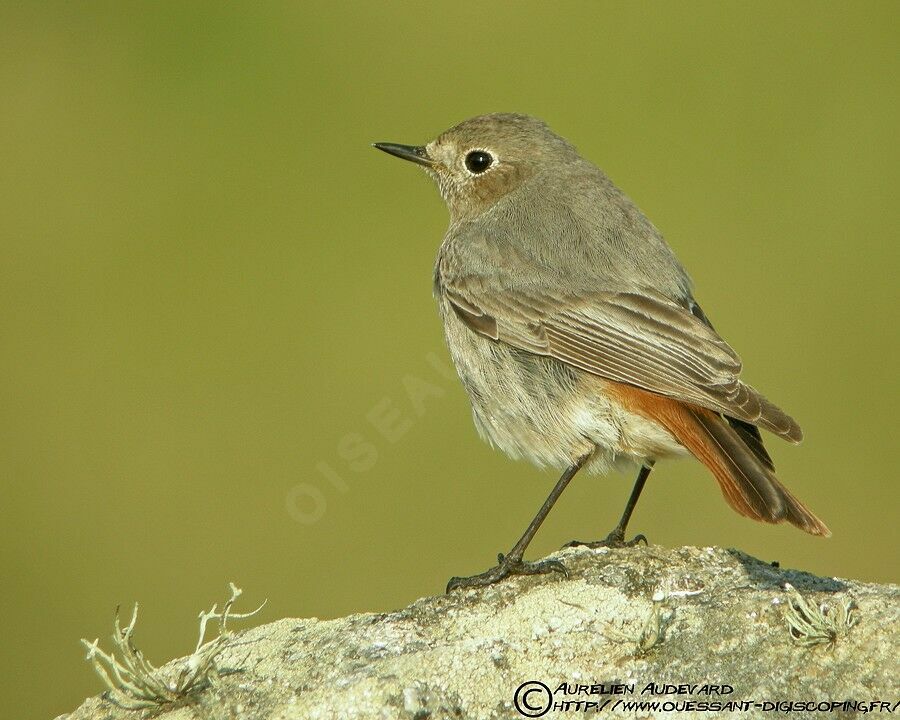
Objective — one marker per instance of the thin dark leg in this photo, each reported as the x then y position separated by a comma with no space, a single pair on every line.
617,537
632,501
512,563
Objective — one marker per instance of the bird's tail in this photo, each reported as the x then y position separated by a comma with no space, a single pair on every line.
735,456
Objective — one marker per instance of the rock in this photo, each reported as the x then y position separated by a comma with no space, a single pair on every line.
701,625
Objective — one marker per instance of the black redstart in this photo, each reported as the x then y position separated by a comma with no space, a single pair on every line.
574,330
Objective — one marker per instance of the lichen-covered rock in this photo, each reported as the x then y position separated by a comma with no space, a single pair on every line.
637,625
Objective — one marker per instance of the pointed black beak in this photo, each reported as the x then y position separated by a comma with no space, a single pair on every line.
413,153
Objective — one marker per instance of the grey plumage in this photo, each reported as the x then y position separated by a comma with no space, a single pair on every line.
573,326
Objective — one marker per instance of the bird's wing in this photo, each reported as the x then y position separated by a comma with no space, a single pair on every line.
643,339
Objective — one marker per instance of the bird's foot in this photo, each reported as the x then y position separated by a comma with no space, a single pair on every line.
505,567
616,539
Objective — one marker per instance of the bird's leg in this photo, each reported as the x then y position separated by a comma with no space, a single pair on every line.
617,537
512,563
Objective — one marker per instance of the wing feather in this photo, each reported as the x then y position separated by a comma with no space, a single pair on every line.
642,339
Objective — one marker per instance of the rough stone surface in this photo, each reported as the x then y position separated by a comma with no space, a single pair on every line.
628,617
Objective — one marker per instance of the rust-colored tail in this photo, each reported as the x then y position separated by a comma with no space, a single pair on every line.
745,473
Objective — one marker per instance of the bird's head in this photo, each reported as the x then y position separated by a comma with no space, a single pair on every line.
481,160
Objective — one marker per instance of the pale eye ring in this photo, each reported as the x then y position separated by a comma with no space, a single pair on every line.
477,161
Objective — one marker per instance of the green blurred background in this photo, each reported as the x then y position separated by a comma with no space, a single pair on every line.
211,286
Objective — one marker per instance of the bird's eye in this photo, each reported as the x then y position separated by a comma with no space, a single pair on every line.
478,161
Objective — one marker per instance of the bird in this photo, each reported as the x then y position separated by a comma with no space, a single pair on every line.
575,332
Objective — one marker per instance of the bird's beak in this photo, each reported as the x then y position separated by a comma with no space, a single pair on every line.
413,153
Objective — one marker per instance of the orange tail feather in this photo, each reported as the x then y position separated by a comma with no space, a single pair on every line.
747,481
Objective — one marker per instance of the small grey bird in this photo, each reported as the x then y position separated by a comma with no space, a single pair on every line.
574,330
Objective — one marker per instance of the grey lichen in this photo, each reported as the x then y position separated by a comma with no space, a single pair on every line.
652,630
134,683
811,624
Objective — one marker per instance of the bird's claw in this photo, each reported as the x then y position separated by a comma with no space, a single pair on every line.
504,568
616,539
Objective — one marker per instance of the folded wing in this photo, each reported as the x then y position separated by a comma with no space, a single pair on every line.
643,339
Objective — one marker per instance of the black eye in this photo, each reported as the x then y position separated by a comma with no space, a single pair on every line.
478,161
